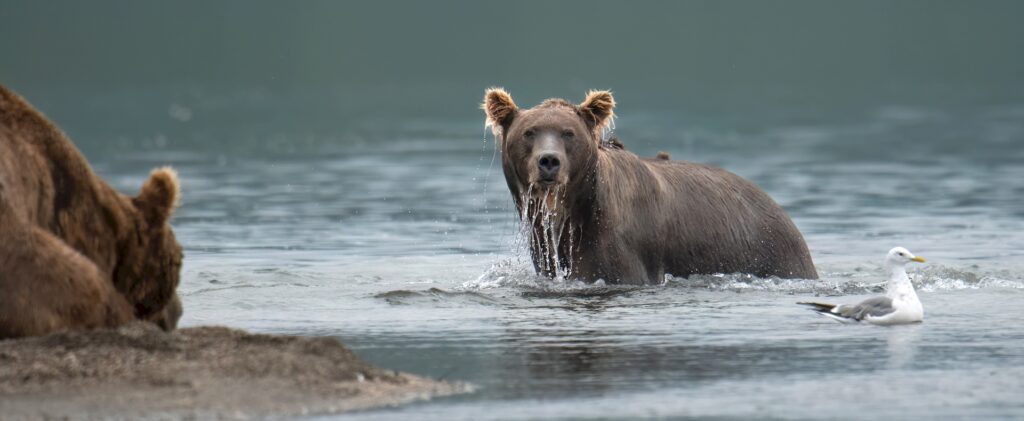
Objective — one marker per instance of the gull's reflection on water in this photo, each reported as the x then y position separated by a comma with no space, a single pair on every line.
901,345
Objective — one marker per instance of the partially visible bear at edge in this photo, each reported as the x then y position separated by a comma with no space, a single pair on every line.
74,253
597,211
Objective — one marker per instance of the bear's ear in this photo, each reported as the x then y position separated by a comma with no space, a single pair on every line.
500,110
159,196
598,109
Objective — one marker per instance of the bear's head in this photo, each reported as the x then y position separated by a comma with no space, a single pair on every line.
149,256
552,145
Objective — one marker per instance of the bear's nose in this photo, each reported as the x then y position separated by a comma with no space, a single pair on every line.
548,165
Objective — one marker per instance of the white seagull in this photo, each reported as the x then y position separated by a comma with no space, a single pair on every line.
899,305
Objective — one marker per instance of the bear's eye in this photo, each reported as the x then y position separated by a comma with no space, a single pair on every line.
528,133
568,134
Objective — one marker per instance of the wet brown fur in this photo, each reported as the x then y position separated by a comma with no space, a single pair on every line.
75,254
637,219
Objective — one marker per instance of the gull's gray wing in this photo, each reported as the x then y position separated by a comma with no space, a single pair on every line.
874,307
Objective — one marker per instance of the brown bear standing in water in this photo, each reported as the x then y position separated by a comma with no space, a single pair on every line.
74,253
597,211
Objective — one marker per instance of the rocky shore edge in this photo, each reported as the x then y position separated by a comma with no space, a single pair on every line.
140,371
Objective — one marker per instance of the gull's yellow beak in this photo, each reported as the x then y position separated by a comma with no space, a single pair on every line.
918,259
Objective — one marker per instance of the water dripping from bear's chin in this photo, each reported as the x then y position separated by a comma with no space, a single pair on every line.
544,226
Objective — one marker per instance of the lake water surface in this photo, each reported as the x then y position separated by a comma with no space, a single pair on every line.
404,247
338,181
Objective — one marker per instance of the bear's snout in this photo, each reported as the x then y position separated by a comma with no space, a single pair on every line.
548,165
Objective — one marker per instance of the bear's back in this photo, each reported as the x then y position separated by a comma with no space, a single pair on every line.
703,219
739,226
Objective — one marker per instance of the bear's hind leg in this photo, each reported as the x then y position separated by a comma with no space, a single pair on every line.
48,286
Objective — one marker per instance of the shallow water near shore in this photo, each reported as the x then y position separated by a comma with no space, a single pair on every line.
405,248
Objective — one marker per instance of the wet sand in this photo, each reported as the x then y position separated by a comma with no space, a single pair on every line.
139,371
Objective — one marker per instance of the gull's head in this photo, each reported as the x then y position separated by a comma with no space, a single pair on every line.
900,256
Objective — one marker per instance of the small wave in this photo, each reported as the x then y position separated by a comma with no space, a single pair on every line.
240,286
739,282
206,281
939,278
935,278
404,297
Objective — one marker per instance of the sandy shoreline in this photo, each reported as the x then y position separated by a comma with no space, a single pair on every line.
205,372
